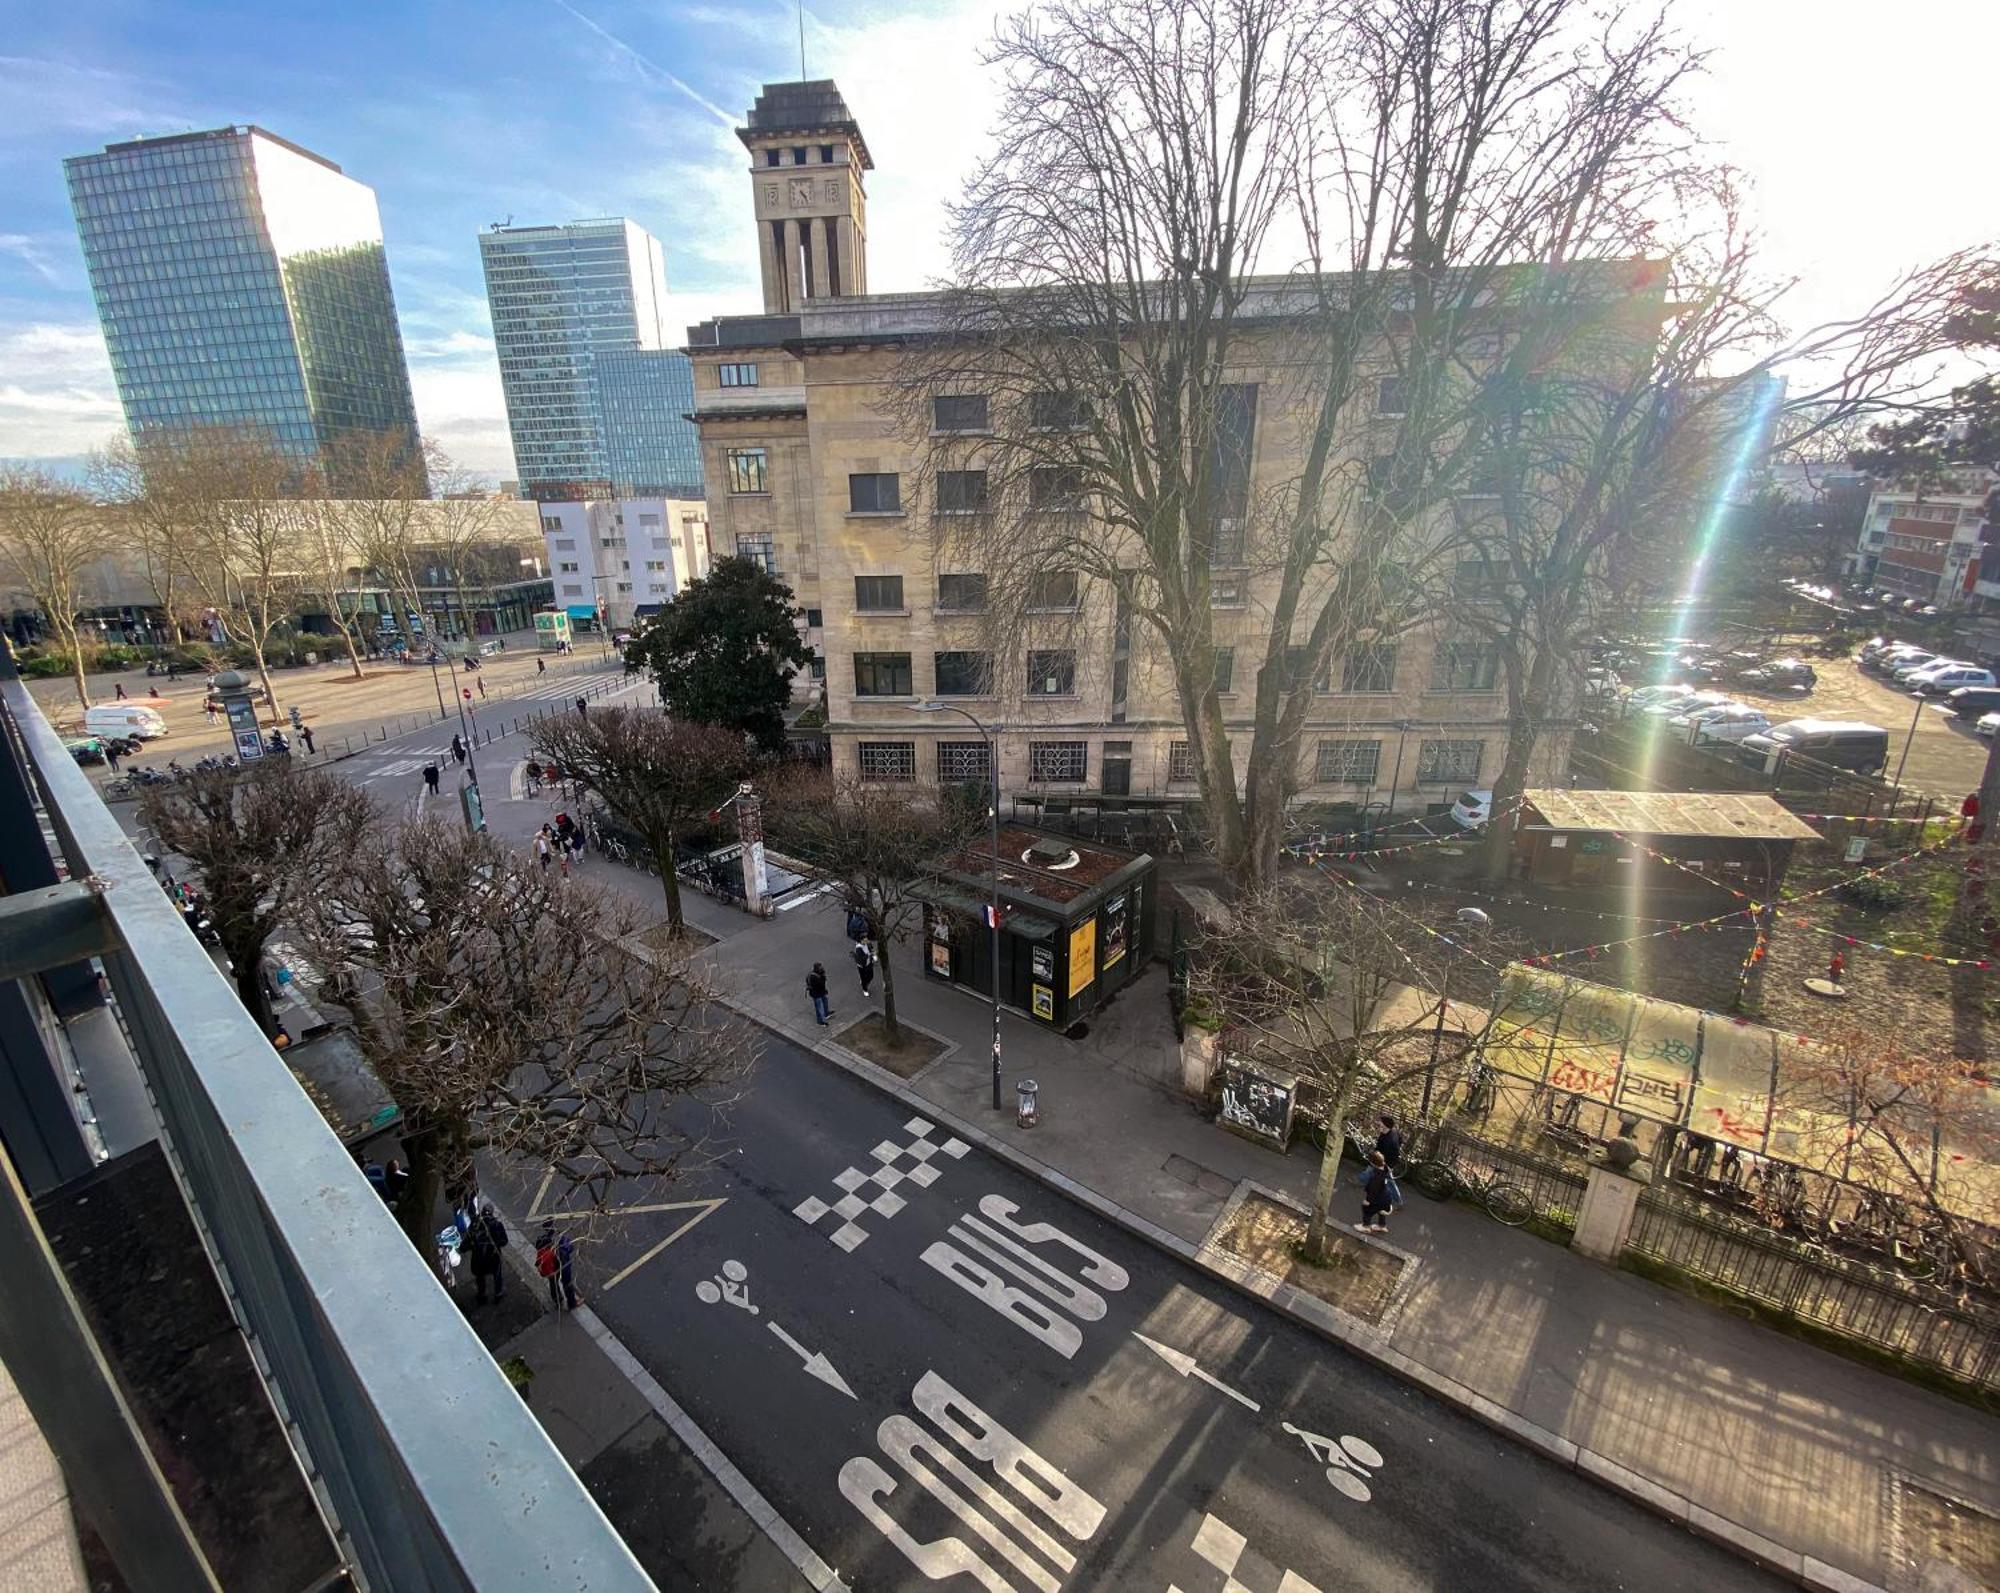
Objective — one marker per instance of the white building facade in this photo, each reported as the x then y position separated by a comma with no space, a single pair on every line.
1925,545
615,561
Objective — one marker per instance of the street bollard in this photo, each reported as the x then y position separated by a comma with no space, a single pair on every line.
1026,1113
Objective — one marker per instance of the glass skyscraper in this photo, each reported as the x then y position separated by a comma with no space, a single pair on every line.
597,401
241,282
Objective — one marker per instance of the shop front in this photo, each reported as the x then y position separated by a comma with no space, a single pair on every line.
1076,924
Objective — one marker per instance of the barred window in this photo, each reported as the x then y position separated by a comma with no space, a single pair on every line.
1052,589
961,674
959,412
1058,761
964,592
1051,673
1347,762
759,550
888,760
878,594
875,492
964,760
746,469
1180,761
961,491
1452,761
1465,666
882,675
1371,667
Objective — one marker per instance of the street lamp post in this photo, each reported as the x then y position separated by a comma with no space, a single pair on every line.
1916,697
993,907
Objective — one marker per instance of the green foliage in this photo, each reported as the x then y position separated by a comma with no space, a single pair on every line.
39,664
109,660
1872,893
724,651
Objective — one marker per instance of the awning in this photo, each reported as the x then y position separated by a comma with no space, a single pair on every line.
644,609
582,611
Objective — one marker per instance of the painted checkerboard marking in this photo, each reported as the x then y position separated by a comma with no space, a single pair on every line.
873,1190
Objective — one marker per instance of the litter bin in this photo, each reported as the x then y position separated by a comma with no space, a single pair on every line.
1026,1113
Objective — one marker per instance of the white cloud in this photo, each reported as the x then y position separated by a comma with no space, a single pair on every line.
56,392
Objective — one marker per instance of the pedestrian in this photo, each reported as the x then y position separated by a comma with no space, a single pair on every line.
395,1179
502,641
306,735
485,1239
482,685
583,706
816,988
1834,969
1389,1142
857,924
210,709
577,842
280,747
154,693
111,757
298,719
541,666
864,965
534,775
458,749
431,777
119,688
1379,1194
542,853
555,1260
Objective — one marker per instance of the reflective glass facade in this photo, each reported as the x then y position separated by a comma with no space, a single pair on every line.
241,281
596,399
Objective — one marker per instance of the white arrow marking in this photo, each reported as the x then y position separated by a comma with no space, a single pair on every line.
1184,1363
817,1364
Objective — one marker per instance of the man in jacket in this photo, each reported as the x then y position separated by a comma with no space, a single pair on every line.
486,1240
816,988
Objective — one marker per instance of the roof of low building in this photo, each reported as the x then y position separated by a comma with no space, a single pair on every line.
1738,815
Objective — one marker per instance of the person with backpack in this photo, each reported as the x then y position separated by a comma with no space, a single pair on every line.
1389,1142
864,965
857,924
1379,1194
431,778
555,1260
486,1239
816,988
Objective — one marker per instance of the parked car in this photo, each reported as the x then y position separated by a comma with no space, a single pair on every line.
1989,725
1669,707
1472,809
1874,648
1782,673
1847,744
1909,668
1730,721
1911,676
85,749
1969,702
1939,682
1890,659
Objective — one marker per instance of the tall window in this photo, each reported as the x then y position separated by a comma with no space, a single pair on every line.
959,412
1051,673
1479,577
961,491
1058,411
1465,666
1229,449
1225,668
1369,667
883,761
1055,487
878,594
1347,762
759,549
1455,762
1052,589
1180,762
875,493
962,674
1225,591
1063,762
965,593
964,760
1391,396
746,468
882,675
738,375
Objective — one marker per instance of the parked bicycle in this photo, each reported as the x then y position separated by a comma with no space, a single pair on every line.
1451,1172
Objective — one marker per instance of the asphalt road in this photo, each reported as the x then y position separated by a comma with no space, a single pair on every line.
958,1385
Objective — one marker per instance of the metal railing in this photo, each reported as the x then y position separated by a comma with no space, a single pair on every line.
428,1465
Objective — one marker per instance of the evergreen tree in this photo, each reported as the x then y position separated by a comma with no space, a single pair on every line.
725,651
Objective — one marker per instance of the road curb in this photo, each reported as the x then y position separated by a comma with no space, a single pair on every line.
1374,1347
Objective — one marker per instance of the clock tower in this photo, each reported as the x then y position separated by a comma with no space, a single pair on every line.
806,160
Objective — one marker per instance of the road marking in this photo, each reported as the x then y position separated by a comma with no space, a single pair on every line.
701,1209
816,1363
1006,1245
730,1284
803,897
1352,1459
875,1190
1184,1363
961,1429
1222,1546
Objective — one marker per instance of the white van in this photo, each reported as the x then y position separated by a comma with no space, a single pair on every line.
124,719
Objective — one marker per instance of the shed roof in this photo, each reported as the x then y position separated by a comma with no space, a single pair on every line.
1736,815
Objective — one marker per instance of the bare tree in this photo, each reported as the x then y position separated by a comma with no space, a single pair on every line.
261,840
330,562
504,1012
384,500
455,528
876,846
655,774
142,486
51,538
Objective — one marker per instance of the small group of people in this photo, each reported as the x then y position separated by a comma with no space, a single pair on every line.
119,694
390,1180
1380,1193
560,841
483,1236
861,952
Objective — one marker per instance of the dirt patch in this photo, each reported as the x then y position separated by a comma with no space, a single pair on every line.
868,1037
1358,1278
1934,1533
660,937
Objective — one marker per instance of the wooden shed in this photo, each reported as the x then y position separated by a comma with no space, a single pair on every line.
1610,838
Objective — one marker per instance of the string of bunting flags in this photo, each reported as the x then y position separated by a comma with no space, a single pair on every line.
1318,854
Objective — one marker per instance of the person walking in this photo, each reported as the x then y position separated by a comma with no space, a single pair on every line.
431,777
864,966
486,1238
555,1260
816,988
583,707
857,924
458,750
119,688
1389,1142
111,757
541,666
534,775
395,1179
306,735
1379,1194
210,709
481,683
543,855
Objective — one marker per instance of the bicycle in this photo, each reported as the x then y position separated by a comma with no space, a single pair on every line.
1442,1177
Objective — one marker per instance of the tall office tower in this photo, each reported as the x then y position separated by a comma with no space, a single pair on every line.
597,402
241,282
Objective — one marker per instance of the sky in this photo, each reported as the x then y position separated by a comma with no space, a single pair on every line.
1847,117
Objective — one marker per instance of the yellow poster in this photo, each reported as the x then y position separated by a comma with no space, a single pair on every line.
1082,956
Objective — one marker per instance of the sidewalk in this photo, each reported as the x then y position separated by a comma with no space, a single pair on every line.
1708,1417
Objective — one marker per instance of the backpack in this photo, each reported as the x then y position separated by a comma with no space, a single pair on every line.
545,1259
1392,1191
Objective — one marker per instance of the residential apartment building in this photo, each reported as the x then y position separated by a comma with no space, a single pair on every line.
615,561
241,281
1925,545
596,398
814,473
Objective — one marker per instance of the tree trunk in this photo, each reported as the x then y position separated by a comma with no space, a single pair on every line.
1507,789
890,1027
1329,1170
670,882
346,638
417,1214
75,662
247,961
263,669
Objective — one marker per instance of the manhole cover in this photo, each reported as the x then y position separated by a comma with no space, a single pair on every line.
1942,1544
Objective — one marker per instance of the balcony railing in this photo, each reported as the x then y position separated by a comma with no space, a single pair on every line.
428,1466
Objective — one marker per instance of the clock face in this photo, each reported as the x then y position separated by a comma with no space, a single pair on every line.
802,191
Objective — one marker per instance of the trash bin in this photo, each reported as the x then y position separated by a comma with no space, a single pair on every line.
1026,1113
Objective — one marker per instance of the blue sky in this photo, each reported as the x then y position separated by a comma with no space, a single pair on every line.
460,114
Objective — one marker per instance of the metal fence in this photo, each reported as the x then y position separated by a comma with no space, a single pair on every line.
1554,1189
1919,1321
